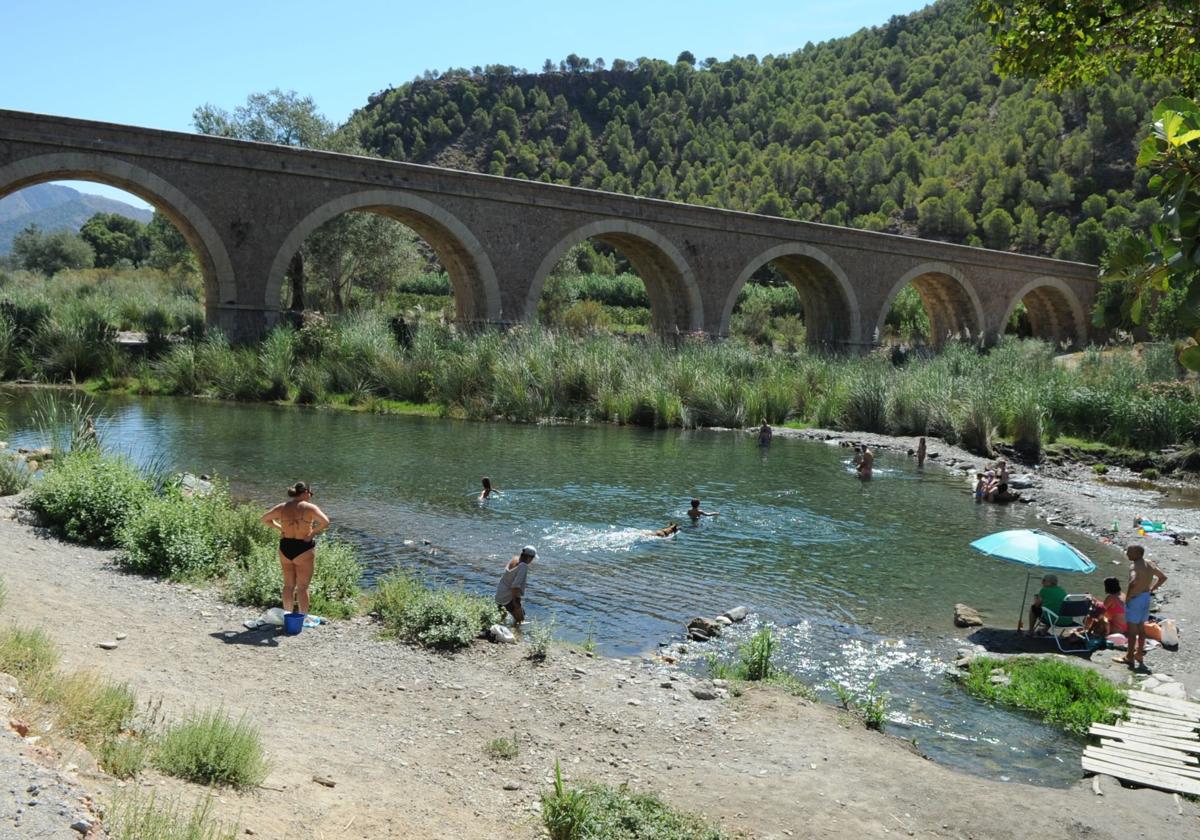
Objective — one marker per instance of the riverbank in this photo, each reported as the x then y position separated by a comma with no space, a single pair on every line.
401,731
1074,496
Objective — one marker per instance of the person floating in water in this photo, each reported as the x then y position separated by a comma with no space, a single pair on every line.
488,490
511,588
298,522
764,434
695,513
671,529
866,465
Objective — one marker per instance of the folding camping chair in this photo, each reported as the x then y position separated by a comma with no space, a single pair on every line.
1069,617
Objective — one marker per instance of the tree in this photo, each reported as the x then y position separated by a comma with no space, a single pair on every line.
115,239
287,119
1067,44
50,253
686,57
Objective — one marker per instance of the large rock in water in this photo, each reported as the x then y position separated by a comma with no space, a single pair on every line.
703,629
965,616
736,614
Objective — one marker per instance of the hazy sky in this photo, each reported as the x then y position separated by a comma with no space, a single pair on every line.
152,63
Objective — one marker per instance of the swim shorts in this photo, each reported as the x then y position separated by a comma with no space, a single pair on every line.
1137,608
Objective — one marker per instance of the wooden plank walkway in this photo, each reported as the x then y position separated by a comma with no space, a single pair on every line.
1159,746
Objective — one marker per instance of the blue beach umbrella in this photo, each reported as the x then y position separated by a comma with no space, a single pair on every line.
1036,549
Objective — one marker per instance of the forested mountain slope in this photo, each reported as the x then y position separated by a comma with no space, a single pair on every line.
54,207
902,127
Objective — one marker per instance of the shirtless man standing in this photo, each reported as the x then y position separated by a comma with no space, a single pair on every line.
1144,578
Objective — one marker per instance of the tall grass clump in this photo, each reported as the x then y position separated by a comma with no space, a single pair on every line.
1060,693
256,579
137,816
870,706
87,497
14,476
29,655
90,708
212,749
189,537
445,619
593,811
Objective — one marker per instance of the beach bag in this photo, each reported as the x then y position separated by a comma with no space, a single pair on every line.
1170,633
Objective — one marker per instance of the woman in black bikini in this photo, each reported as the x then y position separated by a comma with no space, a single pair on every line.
298,521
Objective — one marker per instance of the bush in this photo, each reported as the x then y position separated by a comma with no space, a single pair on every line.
189,537
870,706
436,618
594,811
1100,469
540,636
1058,692
502,749
134,816
1149,474
14,477
123,756
87,497
211,749
257,579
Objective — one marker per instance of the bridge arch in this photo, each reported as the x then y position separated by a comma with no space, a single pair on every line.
220,285
950,300
1055,311
472,278
831,314
671,286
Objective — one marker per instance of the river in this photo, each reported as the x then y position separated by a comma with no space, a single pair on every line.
860,577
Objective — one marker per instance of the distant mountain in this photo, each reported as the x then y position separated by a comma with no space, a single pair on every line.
54,207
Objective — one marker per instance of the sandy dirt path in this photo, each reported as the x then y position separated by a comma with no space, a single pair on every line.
401,731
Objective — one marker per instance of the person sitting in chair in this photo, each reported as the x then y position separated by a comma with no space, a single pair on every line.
1050,596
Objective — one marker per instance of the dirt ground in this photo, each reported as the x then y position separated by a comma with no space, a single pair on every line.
401,731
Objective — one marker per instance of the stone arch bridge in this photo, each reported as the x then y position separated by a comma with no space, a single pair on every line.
245,208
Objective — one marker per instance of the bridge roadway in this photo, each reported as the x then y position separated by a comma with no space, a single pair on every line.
246,208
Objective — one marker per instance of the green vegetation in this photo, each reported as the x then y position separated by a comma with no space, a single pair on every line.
212,749
1100,469
29,655
870,706
1058,692
257,579
502,749
124,757
87,497
14,477
753,664
540,637
436,618
90,708
602,812
136,816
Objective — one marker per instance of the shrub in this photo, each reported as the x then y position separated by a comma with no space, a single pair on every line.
14,477
1058,692
870,706
436,618
540,636
134,816
123,756
1100,469
502,749
595,811
756,655
29,655
189,537
257,579
211,749
87,497
1150,474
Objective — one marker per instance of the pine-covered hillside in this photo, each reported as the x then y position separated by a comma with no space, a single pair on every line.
903,127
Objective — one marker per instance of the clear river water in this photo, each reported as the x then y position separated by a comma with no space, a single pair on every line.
861,578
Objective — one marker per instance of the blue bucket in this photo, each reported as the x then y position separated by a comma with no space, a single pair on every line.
293,623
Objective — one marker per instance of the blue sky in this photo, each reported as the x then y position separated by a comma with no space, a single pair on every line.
152,63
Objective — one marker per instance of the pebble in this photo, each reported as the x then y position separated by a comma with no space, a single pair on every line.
107,645
82,826
633,702
512,785
122,637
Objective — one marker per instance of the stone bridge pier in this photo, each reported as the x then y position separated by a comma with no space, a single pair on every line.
246,208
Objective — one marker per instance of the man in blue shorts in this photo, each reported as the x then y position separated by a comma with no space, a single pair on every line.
1144,578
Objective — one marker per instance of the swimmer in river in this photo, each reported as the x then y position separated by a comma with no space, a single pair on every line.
671,529
867,465
694,512
488,490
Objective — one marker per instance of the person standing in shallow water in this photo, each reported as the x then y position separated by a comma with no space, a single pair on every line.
694,512
866,466
920,453
764,434
511,588
298,522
